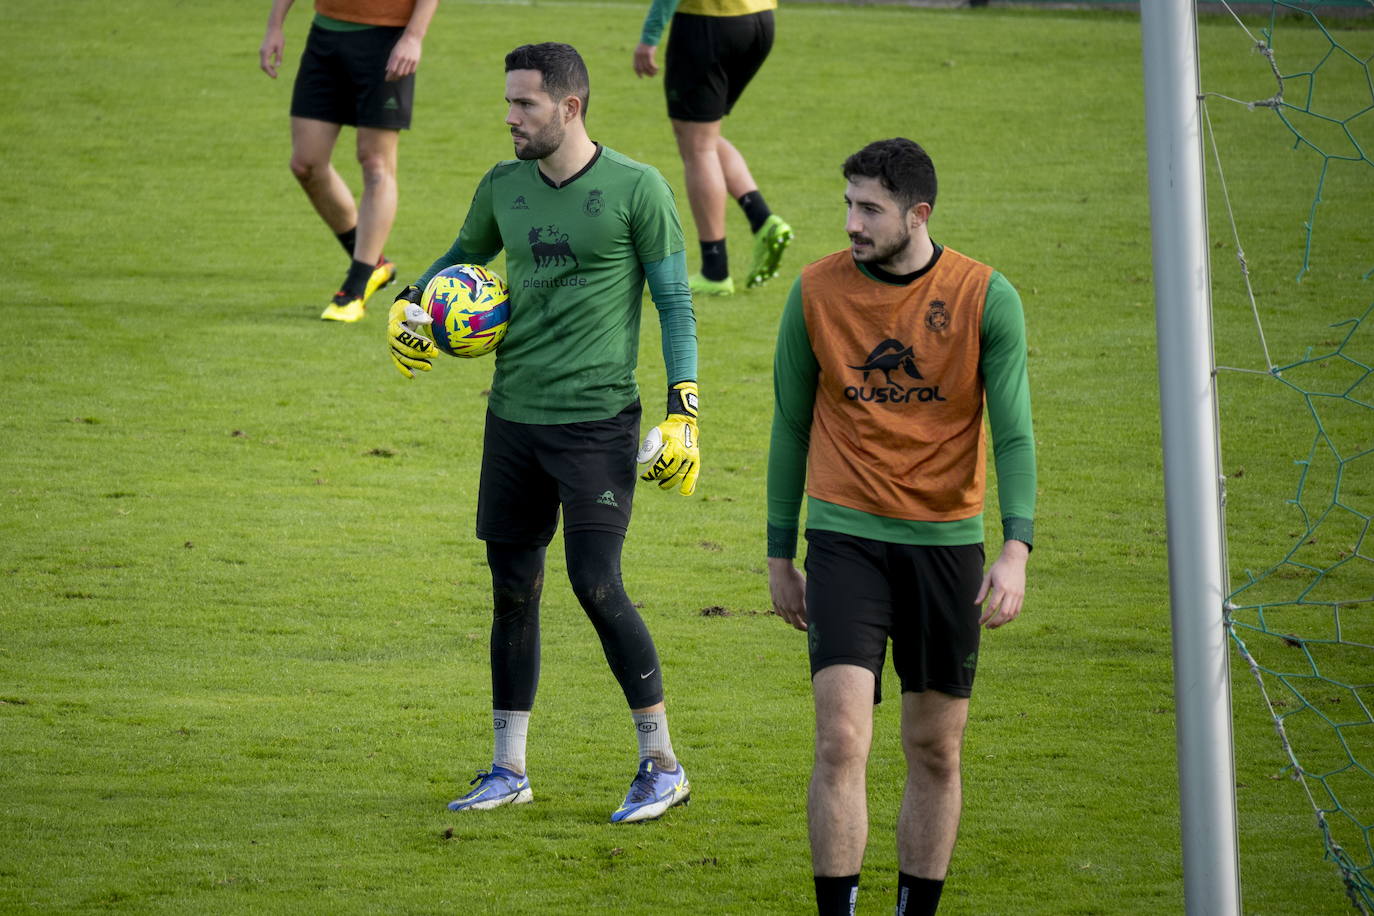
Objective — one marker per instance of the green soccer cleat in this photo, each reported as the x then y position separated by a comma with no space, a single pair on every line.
700,286
770,241
342,308
382,276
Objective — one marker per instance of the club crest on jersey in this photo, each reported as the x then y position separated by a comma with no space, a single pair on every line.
594,203
550,248
519,203
937,317
891,356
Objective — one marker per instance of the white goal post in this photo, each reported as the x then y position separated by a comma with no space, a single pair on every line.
1192,467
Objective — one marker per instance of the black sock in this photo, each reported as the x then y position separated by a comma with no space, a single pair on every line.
348,239
917,896
715,263
755,210
836,896
355,284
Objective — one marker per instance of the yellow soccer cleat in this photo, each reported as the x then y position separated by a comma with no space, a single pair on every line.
341,308
382,277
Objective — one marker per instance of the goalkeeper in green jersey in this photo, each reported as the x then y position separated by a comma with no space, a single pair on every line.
584,228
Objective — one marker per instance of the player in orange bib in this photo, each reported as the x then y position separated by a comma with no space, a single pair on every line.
889,354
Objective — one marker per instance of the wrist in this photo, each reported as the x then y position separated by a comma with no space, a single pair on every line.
682,399
1015,549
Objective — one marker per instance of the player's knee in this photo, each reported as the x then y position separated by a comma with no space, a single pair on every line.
514,602
595,591
936,755
305,170
517,576
377,168
696,141
840,747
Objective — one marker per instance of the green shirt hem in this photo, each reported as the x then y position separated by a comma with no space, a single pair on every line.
340,25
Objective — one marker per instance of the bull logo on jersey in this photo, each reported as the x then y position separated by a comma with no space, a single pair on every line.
550,247
888,357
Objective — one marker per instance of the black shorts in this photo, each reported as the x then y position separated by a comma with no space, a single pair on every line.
710,61
860,592
342,79
529,471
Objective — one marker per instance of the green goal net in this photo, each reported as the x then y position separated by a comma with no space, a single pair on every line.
1289,131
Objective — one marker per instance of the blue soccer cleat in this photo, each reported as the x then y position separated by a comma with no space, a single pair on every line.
652,792
498,787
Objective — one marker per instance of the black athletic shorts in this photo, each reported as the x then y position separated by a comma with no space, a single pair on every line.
342,79
529,471
860,593
710,61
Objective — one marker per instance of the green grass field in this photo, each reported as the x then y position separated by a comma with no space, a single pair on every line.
243,616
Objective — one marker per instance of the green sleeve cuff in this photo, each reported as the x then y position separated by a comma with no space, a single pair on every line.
782,542
660,13
1019,529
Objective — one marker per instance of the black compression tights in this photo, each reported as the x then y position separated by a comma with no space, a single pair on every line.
517,578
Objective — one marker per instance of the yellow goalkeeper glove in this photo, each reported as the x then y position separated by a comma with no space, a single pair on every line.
671,449
410,349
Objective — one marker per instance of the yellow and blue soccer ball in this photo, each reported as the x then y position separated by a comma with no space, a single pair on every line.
470,306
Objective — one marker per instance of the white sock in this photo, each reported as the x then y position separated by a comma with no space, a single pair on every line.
510,727
651,728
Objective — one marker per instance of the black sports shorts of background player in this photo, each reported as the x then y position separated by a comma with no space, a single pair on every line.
342,79
710,61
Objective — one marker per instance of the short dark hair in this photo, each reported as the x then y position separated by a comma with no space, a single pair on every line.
902,167
561,69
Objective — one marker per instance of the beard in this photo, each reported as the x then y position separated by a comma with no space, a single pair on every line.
541,144
880,254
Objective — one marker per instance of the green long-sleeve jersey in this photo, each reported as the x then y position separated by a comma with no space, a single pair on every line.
578,255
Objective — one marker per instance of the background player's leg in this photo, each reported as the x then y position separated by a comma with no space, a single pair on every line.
738,180
699,145
771,234
312,144
377,206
